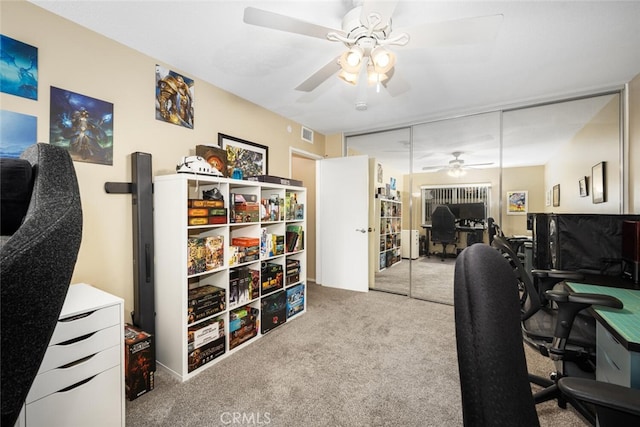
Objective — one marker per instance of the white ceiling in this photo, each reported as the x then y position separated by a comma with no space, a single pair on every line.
543,50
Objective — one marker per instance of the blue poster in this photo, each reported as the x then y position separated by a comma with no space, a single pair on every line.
17,132
18,68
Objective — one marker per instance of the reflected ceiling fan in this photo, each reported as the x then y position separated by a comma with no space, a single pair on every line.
367,34
456,167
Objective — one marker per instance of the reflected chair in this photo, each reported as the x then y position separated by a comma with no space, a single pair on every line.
37,258
494,380
443,228
563,331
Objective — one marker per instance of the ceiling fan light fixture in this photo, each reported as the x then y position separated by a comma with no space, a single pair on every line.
351,60
351,78
456,172
383,60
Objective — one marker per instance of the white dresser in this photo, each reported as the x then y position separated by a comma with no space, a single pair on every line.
81,379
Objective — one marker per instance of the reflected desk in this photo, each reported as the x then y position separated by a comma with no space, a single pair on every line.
474,234
617,335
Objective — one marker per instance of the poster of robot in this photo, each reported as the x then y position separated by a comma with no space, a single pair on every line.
174,98
83,125
18,68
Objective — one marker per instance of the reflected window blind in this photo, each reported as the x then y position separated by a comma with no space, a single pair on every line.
434,195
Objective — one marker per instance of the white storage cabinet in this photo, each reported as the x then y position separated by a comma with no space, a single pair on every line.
81,379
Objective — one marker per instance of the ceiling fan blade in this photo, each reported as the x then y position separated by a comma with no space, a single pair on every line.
480,29
264,18
395,84
319,76
383,9
477,164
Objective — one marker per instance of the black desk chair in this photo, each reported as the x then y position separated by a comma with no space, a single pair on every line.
41,233
563,331
494,380
443,228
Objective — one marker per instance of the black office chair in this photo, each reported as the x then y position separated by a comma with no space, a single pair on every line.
443,228
566,334
41,234
494,381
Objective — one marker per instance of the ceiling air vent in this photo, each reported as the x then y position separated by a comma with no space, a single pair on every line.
307,135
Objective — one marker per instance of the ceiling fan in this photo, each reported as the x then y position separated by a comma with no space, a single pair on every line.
367,33
456,167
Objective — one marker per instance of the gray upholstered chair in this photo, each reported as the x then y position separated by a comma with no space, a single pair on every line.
37,258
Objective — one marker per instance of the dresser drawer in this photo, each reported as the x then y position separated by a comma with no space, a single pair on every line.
613,360
83,324
86,345
60,378
96,402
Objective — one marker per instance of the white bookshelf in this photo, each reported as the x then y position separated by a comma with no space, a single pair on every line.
389,214
171,195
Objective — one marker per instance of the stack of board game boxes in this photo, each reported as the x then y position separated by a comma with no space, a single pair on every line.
205,342
243,325
272,208
272,277
244,249
244,208
293,271
244,285
205,301
204,254
203,212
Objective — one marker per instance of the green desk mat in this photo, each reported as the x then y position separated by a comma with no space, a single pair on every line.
626,321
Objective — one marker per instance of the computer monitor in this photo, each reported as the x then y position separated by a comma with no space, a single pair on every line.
466,212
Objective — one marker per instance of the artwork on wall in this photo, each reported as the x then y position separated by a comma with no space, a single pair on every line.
583,186
517,202
244,158
556,195
547,198
379,173
174,98
598,188
83,125
392,183
19,68
17,132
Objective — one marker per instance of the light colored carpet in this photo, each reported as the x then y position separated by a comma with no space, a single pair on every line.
354,359
425,278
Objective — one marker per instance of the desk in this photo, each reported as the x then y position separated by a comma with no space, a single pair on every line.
617,336
459,229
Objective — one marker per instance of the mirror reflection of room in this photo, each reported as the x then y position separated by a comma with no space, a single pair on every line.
472,164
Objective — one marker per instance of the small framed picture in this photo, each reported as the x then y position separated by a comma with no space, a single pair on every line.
598,188
517,202
584,189
556,195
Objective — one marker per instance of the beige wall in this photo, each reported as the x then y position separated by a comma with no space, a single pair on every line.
304,169
73,58
599,141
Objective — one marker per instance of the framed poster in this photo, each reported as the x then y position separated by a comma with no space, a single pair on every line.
598,189
82,125
517,202
556,195
19,73
244,158
582,185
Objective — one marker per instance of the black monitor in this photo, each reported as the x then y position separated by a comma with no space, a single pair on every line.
468,211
